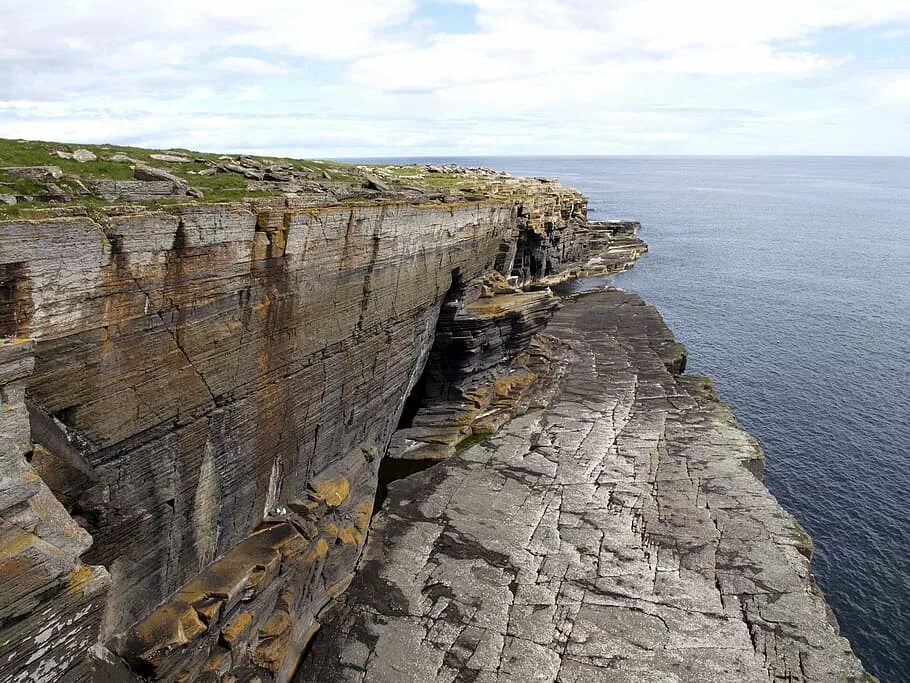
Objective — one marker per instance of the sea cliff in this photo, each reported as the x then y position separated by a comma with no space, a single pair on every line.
216,369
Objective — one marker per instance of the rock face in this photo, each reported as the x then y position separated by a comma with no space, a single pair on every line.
618,533
213,389
50,603
199,403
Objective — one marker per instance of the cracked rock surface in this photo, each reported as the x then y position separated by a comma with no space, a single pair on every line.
619,534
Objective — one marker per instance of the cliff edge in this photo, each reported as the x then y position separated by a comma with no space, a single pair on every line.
215,369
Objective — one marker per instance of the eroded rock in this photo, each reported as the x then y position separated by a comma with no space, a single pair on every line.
617,534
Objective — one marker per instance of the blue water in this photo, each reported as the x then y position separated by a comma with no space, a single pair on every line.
789,281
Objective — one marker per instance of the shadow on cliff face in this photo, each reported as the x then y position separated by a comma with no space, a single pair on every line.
437,375
443,367
15,299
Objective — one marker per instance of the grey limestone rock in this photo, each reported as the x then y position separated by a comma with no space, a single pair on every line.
143,172
84,155
172,158
34,172
617,534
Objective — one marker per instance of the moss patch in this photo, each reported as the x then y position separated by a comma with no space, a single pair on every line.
472,440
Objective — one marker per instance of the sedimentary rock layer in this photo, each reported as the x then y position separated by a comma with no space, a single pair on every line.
50,603
213,387
620,533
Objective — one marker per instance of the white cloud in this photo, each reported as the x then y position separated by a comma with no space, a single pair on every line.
362,76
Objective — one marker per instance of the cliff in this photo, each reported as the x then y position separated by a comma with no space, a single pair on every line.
214,368
209,390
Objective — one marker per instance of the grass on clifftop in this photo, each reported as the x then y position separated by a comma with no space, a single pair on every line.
217,187
220,187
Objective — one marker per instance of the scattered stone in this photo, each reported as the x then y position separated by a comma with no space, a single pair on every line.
246,172
8,199
80,187
143,172
123,158
84,155
34,172
172,158
278,176
373,182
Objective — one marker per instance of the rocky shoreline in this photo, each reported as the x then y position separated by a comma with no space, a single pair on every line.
618,531
212,397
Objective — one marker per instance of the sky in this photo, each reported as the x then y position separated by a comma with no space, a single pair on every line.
368,78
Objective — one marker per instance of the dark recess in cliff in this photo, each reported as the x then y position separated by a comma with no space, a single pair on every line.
442,365
15,298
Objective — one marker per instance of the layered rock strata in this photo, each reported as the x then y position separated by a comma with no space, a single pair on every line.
620,533
480,371
212,390
50,602
198,399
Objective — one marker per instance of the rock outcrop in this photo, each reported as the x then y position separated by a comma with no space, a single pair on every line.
619,533
214,386
201,402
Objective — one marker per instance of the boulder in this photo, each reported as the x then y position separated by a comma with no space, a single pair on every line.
172,158
124,159
143,172
84,155
34,172
374,183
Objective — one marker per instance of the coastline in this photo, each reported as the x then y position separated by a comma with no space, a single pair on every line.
647,549
194,507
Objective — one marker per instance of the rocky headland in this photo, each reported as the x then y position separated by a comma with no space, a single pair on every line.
266,419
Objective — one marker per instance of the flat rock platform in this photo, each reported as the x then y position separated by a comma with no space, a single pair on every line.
616,532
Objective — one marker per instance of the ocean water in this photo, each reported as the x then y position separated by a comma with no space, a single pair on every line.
789,281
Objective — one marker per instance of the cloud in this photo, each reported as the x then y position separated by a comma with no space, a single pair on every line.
450,76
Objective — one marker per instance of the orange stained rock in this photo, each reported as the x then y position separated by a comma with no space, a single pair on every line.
238,628
320,549
173,624
333,492
80,576
271,652
479,396
209,609
219,662
503,303
363,514
278,623
519,381
349,535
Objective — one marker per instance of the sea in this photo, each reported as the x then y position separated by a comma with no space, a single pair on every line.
788,279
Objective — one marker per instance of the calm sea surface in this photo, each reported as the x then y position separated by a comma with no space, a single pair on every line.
789,281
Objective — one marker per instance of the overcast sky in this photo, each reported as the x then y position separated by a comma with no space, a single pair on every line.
446,77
